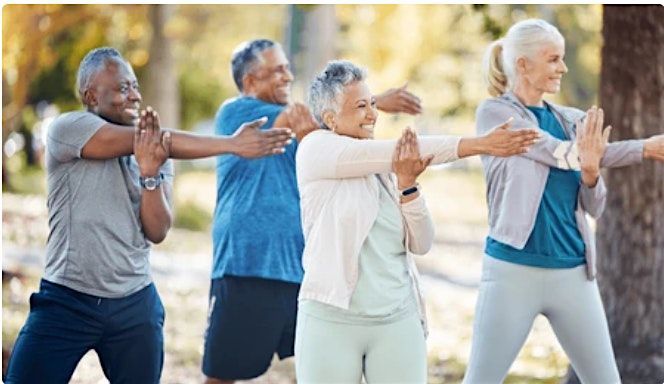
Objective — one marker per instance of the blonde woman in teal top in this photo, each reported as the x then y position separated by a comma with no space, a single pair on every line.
540,252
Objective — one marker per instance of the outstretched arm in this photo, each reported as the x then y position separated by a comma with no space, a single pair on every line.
331,156
113,140
550,151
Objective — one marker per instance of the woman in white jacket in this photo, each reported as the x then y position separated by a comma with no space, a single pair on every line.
360,310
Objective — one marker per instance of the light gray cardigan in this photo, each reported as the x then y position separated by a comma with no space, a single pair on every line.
515,184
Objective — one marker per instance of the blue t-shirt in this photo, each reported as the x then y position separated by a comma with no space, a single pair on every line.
555,241
256,230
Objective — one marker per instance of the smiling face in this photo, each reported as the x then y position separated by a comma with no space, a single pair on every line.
271,80
543,73
114,95
357,112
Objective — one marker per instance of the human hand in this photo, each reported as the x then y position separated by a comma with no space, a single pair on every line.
406,161
251,142
151,146
502,142
653,148
591,142
396,100
298,118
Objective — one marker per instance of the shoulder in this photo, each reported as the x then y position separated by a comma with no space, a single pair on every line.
495,104
77,117
75,121
321,142
569,113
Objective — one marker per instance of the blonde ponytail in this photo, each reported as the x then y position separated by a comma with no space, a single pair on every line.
493,67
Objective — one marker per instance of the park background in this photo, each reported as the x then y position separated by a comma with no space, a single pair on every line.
181,55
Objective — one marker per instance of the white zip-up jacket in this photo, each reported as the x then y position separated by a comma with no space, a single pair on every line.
339,200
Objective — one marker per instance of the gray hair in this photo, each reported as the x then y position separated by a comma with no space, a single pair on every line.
329,84
246,55
524,39
95,61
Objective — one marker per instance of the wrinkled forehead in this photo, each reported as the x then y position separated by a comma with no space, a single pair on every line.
553,46
354,92
271,57
118,71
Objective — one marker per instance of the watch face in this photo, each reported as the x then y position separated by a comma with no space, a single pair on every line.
150,183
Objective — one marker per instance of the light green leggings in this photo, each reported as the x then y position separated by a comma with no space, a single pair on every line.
332,352
512,295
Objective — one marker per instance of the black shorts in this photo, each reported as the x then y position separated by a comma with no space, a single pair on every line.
249,319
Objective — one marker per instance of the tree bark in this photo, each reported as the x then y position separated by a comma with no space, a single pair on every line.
309,42
631,232
160,83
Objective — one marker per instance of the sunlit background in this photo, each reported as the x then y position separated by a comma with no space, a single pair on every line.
181,55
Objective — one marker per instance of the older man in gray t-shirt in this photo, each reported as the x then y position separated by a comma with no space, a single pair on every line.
109,197
97,245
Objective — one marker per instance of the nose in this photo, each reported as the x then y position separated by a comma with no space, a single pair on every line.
373,113
288,75
135,95
563,67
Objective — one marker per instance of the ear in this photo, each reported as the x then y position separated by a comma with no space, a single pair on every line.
328,119
90,98
521,65
248,82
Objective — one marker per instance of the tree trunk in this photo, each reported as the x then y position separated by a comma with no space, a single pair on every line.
309,42
631,231
160,81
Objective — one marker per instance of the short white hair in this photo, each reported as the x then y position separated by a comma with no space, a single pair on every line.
329,84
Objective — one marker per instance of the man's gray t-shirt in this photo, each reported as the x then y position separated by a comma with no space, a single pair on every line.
96,243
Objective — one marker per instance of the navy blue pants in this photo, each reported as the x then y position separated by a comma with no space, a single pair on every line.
64,324
249,320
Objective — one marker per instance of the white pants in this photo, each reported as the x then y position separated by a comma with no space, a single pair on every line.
330,352
512,295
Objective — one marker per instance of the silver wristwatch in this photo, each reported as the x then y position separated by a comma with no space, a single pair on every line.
152,182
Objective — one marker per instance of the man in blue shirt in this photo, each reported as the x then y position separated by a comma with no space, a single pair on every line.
257,234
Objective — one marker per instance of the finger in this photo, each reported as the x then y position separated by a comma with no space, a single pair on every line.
255,124
156,121
416,144
280,132
397,152
606,134
280,142
166,142
590,120
410,106
599,125
141,138
137,136
149,120
427,160
507,124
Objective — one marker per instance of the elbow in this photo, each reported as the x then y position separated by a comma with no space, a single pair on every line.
159,235
421,250
420,245
157,238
